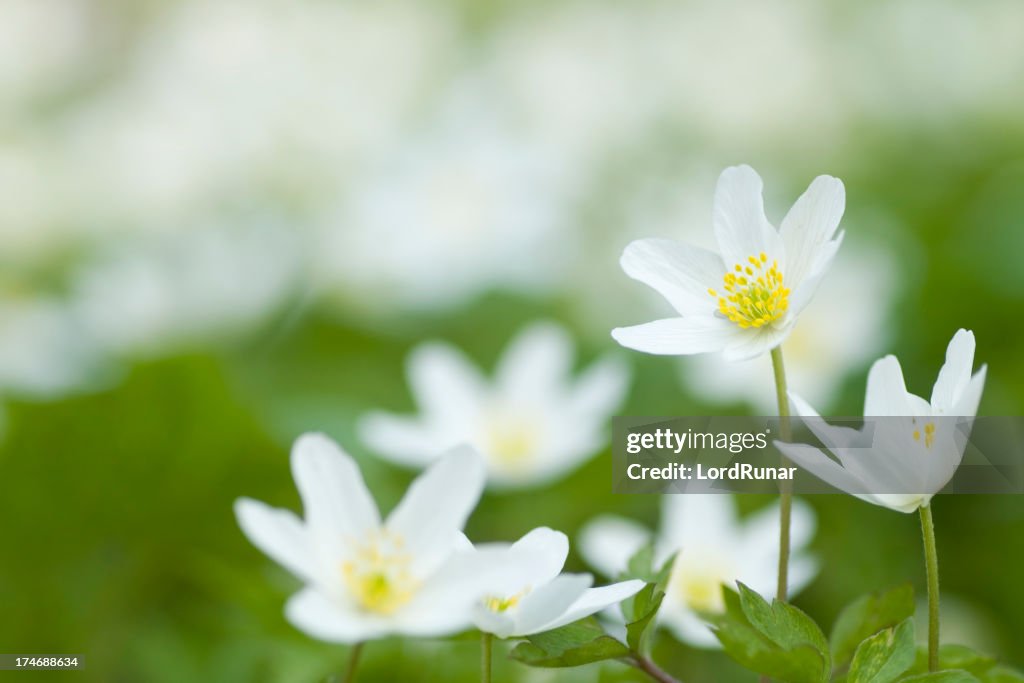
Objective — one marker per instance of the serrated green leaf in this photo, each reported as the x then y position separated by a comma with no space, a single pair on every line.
576,644
865,617
795,662
951,676
782,623
646,607
885,656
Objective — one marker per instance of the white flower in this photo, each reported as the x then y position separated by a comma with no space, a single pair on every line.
745,300
151,294
411,574
541,598
713,547
830,341
913,453
533,422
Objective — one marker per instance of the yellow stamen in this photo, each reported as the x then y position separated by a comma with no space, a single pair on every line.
378,576
756,297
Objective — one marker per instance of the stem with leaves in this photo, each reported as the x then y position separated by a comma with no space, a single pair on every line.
786,485
651,669
931,561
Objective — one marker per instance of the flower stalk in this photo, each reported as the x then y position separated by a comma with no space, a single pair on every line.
931,560
652,670
353,663
786,486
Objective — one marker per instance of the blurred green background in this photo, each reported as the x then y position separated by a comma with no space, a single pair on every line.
226,223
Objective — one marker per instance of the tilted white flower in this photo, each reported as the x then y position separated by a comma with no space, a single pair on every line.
744,300
713,547
912,453
532,423
540,598
410,574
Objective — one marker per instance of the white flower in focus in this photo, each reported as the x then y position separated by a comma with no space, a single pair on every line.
541,598
913,454
410,574
532,423
713,547
745,300
830,341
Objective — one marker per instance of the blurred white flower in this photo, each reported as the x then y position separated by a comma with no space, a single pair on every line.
464,207
151,295
541,598
43,352
745,301
411,574
831,340
533,423
910,456
713,547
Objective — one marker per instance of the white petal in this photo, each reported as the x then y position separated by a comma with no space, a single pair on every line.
688,627
823,467
608,542
741,228
700,519
601,389
679,272
678,336
436,506
316,615
967,406
752,343
593,601
279,534
445,384
338,506
811,223
536,362
955,373
807,287
546,550
886,393
403,440
546,604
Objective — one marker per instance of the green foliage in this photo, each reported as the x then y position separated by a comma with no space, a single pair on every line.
867,616
576,644
883,657
777,639
950,676
963,658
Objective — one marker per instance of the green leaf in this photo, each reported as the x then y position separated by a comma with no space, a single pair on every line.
951,676
865,617
645,607
576,644
958,657
1003,674
885,656
775,640
641,565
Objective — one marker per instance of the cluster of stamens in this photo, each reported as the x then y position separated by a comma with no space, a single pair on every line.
929,434
496,604
378,576
753,294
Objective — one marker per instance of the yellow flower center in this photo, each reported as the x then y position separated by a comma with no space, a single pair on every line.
511,442
496,604
377,576
698,587
753,294
929,434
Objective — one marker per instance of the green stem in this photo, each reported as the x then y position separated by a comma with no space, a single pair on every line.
652,669
353,663
786,485
485,657
931,561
